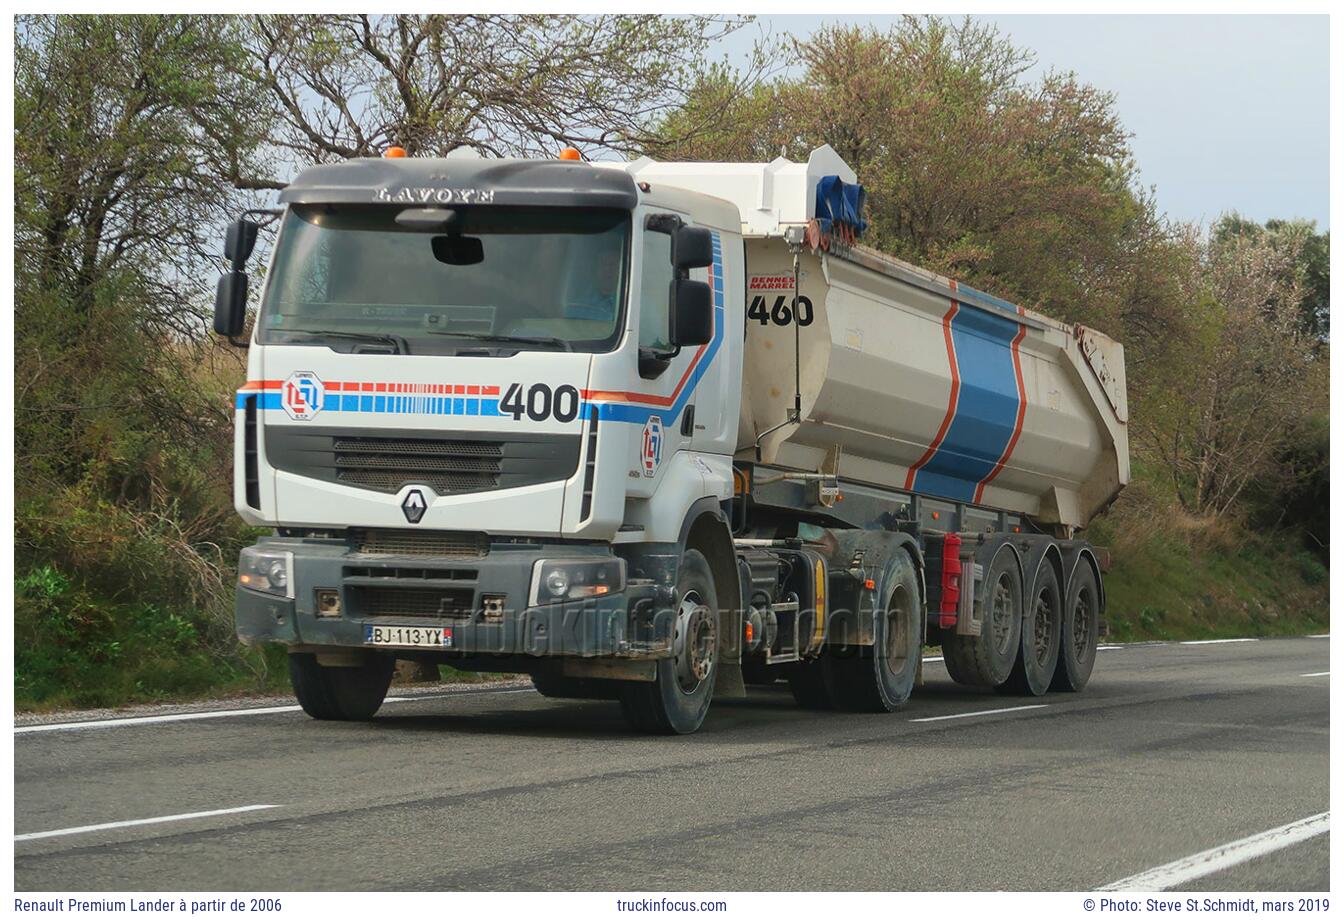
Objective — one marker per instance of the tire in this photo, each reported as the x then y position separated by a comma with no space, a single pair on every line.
987,660
676,703
1038,652
1078,634
881,676
340,694
555,687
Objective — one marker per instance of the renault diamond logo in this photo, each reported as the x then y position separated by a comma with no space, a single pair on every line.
414,505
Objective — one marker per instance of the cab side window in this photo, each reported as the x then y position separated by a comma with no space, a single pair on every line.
654,287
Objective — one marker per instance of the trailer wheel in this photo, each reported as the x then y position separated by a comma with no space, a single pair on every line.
340,694
880,677
1078,639
677,701
1038,654
987,660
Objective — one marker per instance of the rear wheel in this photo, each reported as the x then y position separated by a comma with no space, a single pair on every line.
677,701
987,660
340,694
1078,640
1039,652
880,677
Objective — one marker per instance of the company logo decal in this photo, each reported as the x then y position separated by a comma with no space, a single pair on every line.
301,395
414,506
652,451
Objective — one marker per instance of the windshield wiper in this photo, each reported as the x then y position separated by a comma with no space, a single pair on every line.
493,337
399,346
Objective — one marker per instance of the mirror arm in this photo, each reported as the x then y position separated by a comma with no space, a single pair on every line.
244,344
270,215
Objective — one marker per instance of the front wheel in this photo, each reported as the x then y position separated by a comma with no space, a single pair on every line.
340,694
676,702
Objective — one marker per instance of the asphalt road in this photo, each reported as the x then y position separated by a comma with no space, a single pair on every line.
1173,750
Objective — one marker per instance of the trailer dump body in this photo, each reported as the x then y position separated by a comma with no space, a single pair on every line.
925,384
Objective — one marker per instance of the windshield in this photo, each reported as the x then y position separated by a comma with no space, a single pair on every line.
351,278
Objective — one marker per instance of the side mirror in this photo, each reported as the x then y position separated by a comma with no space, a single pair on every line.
239,241
231,304
692,247
691,314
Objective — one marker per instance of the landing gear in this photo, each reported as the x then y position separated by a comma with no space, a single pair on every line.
676,702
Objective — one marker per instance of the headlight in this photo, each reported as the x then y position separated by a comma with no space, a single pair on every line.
266,570
555,580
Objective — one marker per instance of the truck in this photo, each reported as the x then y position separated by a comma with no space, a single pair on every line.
653,432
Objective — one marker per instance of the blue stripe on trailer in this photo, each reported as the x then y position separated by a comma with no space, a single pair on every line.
987,405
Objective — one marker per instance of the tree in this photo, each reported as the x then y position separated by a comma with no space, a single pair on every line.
1249,382
1023,188
353,85
131,133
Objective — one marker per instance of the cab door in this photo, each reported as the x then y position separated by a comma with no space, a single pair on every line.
662,408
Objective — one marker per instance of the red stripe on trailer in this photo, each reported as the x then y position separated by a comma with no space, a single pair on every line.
952,396
1021,412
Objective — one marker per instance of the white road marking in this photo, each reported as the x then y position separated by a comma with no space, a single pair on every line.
1160,878
982,712
1316,674
226,713
151,720
1108,648
111,825
1320,636
1216,641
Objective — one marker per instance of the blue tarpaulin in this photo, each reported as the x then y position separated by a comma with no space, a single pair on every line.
840,202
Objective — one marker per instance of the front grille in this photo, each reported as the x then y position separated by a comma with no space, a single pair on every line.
387,464
452,464
446,543
388,601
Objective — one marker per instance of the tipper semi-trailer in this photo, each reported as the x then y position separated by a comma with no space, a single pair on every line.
651,432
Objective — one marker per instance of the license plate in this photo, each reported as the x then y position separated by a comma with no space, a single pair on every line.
410,636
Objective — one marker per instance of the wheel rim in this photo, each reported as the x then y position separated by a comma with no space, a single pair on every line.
1001,615
1082,614
898,618
1041,639
696,642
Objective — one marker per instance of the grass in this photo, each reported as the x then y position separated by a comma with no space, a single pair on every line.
1178,577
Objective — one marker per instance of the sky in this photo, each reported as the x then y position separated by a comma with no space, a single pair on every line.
1227,112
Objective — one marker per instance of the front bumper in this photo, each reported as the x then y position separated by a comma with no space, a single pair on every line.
620,625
